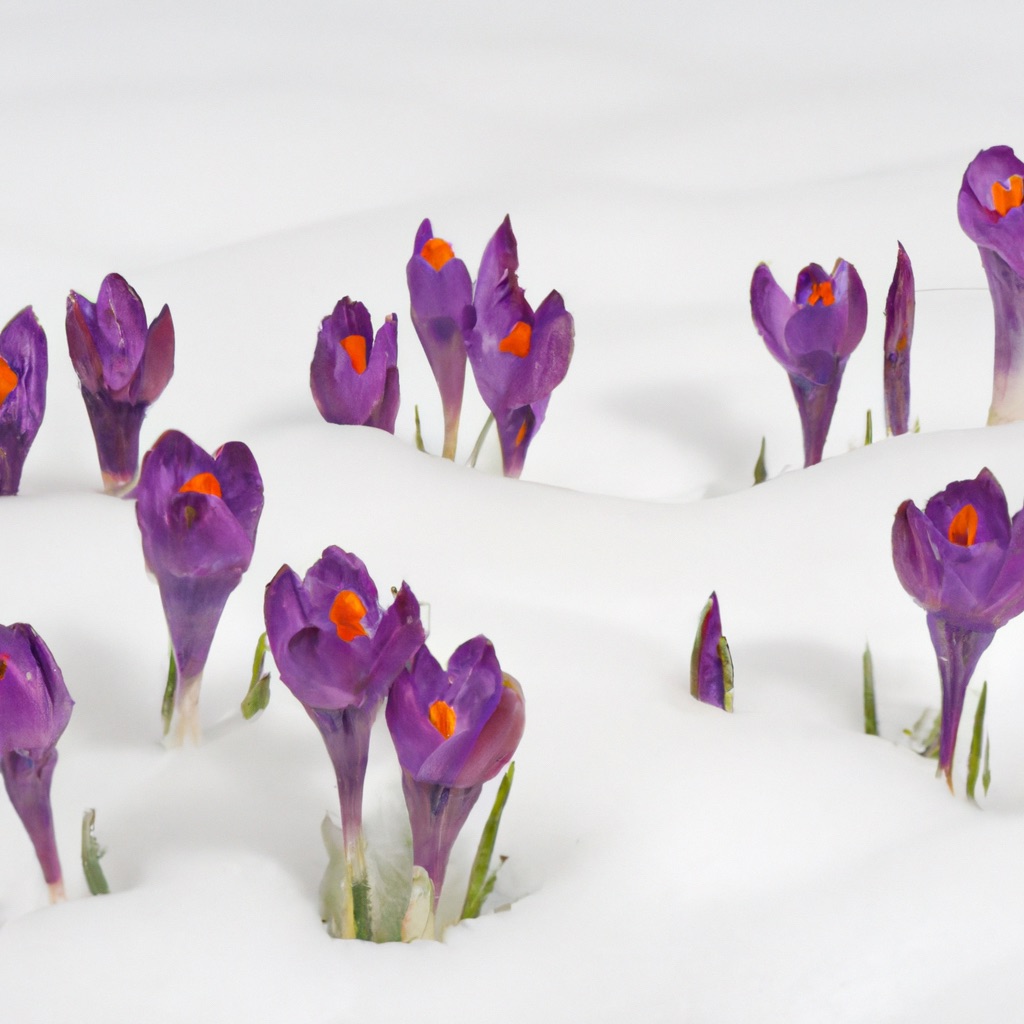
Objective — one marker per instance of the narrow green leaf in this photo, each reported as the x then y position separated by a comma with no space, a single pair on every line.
760,470
167,708
728,674
924,736
475,453
478,890
868,431
986,772
419,433
974,757
258,696
91,853
870,711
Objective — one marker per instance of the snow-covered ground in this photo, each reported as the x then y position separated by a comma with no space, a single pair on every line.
250,164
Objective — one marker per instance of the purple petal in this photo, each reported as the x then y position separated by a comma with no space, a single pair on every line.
157,365
121,333
899,333
23,348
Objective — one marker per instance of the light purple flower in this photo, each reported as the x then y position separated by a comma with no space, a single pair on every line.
123,366
441,300
518,356
899,333
711,672
962,560
354,375
23,371
812,335
198,515
35,708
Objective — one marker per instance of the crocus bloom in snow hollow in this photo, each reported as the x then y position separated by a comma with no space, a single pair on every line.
899,333
35,708
23,370
354,375
711,673
123,365
441,302
198,515
989,208
962,560
518,356
339,652
453,730
812,336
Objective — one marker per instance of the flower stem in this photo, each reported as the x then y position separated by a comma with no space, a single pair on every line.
475,453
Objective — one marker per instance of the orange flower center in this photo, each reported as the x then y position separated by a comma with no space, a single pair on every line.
964,527
821,291
8,380
347,613
437,252
355,348
201,483
517,341
521,436
442,718
1007,197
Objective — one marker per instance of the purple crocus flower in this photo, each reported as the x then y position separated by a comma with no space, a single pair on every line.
711,672
354,375
35,707
812,336
453,730
339,652
198,515
899,332
23,370
441,300
518,356
123,365
962,560
989,208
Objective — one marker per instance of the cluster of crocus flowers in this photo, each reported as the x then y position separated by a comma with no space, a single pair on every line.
989,208
711,671
812,335
900,305
962,560
35,708
123,365
354,373
198,515
23,371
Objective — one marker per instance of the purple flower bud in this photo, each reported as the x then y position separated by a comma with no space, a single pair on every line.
962,560
123,366
518,356
35,707
899,332
441,299
354,375
812,336
453,730
23,370
989,208
711,672
198,516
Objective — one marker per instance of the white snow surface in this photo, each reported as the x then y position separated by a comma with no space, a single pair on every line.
249,165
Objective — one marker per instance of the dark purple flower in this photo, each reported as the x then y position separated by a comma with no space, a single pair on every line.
453,730
441,300
711,671
899,332
123,365
198,515
989,208
812,336
962,560
35,707
23,370
518,356
354,375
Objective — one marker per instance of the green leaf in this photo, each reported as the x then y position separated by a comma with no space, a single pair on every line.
870,711
974,757
91,853
760,470
167,708
419,433
986,772
475,453
924,736
258,696
728,675
868,431
479,877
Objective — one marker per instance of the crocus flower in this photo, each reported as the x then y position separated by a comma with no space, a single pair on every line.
441,299
354,375
962,560
518,356
23,369
711,671
812,336
989,208
35,707
123,365
453,730
339,652
899,332
198,515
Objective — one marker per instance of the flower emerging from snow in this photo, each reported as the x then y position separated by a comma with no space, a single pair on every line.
812,335
711,671
899,332
123,365
23,369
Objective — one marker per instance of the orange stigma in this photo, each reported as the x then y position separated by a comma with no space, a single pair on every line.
347,613
437,252
901,345
821,291
964,527
521,436
517,341
355,348
8,380
442,718
1009,196
202,483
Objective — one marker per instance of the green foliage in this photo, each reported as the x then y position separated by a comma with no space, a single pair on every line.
91,853
167,708
760,470
870,711
481,878
258,696
974,757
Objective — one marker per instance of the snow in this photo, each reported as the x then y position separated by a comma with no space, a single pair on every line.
250,164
